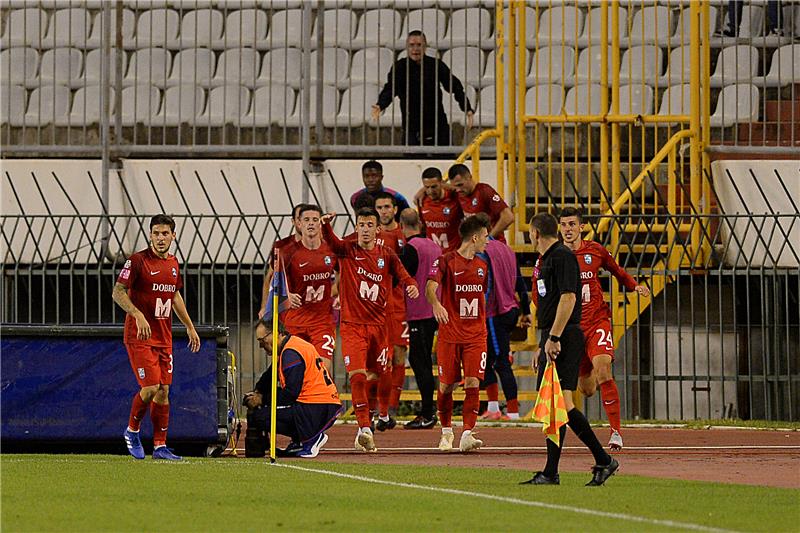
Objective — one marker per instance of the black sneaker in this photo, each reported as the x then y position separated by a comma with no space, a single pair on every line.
601,473
540,479
291,450
421,422
383,425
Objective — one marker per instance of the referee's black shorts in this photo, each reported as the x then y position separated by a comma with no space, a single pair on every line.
569,361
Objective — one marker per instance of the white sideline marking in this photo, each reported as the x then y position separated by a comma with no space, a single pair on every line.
627,448
517,501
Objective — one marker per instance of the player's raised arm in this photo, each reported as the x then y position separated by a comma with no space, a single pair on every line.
328,235
120,296
183,315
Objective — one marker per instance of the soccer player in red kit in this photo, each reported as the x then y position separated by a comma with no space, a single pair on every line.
367,270
595,369
440,211
461,315
481,198
147,289
310,265
390,385
280,244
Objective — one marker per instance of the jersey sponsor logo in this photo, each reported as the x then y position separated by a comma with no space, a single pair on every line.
588,259
446,211
163,287
437,224
540,288
154,272
468,308
469,287
319,276
380,262
370,275
301,265
328,260
587,275
368,291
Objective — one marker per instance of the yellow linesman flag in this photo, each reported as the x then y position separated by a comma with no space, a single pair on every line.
550,408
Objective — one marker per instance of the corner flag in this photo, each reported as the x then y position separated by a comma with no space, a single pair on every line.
550,408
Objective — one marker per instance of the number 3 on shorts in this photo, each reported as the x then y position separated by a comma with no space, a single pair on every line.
170,364
605,338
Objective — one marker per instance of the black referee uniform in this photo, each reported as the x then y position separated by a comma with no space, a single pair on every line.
559,273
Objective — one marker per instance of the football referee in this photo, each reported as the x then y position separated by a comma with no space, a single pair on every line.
557,282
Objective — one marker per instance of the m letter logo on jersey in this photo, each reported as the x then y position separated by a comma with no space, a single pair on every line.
541,288
468,308
441,240
163,308
313,295
380,262
588,259
368,291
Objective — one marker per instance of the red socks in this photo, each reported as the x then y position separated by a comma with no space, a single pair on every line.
358,390
159,415
512,406
444,402
138,409
372,395
471,404
398,379
384,392
610,395
492,392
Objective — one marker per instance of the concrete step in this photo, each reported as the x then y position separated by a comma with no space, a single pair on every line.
787,111
770,133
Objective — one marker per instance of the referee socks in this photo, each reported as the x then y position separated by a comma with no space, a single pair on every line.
580,426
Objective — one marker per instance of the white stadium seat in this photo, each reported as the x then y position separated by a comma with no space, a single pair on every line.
378,27
92,68
340,28
635,99
47,104
156,27
330,104
12,104
281,65
60,66
335,67
560,24
19,65
784,68
371,65
181,105
24,27
199,28
651,25
237,66
585,99
737,104
193,65
640,64
285,29
149,66
245,27
139,103
85,107
546,99
271,104
355,109
592,35
468,27
553,64
95,39
466,64
590,63
432,22
735,64
68,27
226,105
676,100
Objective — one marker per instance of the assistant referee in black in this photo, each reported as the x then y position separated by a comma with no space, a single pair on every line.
556,284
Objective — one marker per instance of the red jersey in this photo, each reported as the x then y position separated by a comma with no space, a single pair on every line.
591,258
152,283
442,218
394,239
484,199
309,273
365,278
463,283
283,245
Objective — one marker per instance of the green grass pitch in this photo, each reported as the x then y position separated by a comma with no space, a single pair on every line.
115,493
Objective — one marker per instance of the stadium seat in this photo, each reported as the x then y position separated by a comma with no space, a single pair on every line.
262,4
591,34
546,99
676,100
651,25
199,28
182,104
552,64
285,29
85,107
237,66
47,105
91,68
531,23
59,66
679,68
141,5
355,108
585,99
371,65
19,65
335,67
466,63
485,108
378,27
682,32
194,66
12,104
635,99
226,105
560,24
68,27
281,65
245,27
340,28
139,103
412,4
24,27
95,39
330,104
149,66
589,64
735,64
489,70
640,64
431,21
391,117
471,26
784,68
737,104
272,104
156,27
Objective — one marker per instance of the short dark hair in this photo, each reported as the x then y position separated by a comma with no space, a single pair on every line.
546,224
266,322
162,219
367,212
417,33
310,207
383,195
372,164
363,200
297,209
431,173
571,212
458,170
472,225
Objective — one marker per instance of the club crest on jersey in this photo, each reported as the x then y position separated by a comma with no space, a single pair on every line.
474,202
588,259
446,211
174,272
327,260
380,262
141,373
480,272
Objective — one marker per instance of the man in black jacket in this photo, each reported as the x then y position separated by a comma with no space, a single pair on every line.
415,80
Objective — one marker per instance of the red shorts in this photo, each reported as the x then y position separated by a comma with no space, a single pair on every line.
397,328
364,347
152,365
451,356
321,336
598,341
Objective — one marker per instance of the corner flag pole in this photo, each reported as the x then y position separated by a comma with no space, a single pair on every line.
273,408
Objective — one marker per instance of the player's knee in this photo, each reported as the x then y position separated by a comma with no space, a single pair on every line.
354,372
444,388
148,393
603,373
372,376
587,387
471,383
162,394
399,357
